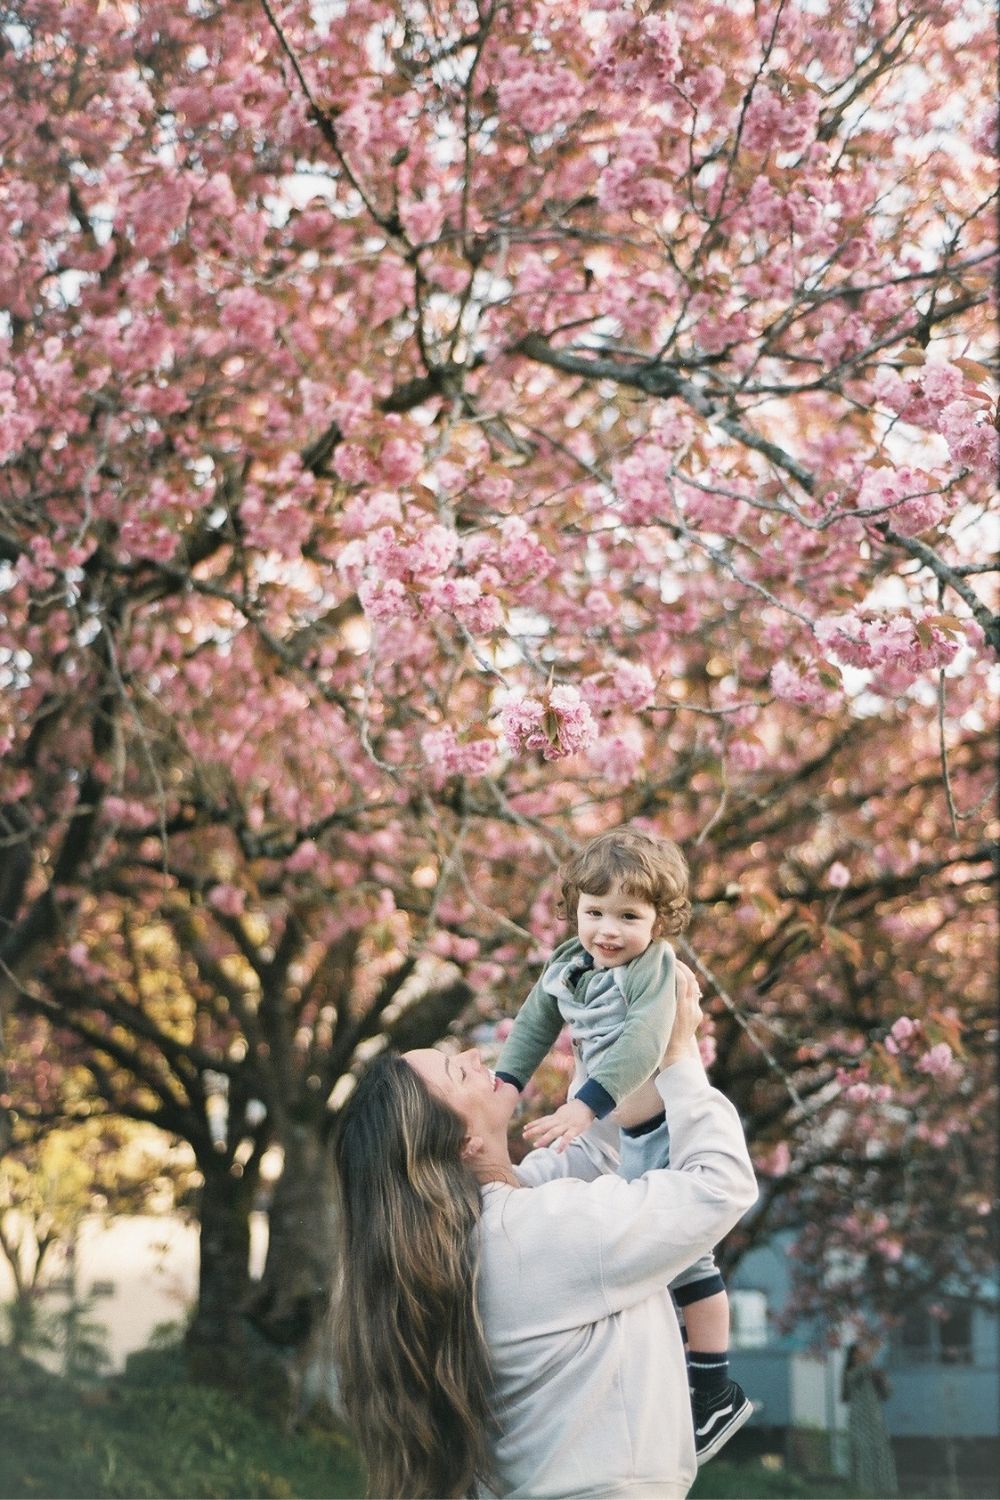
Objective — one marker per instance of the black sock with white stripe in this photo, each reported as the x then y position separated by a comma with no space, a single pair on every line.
708,1374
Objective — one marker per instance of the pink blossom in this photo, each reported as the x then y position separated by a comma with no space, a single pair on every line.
557,726
706,85
448,756
126,812
400,461
423,221
986,132
760,122
712,510
915,501
601,609
641,58
766,208
746,755
899,647
797,124
480,613
617,757
450,476
230,900
941,383
716,332
533,273
252,317
302,859
839,876
938,1061
802,686
353,464
385,600
79,956
641,485
776,1162
522,555
626,187
903,1029
624,684
973,441
158,210
350,408
493,490
452,945
535,95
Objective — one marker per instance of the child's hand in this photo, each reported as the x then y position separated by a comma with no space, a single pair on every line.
570,1120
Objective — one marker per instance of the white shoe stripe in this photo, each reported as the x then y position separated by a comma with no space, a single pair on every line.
717,1416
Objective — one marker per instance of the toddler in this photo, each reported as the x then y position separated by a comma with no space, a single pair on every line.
613,986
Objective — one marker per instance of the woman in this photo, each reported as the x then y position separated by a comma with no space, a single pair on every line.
512,1328
865,1388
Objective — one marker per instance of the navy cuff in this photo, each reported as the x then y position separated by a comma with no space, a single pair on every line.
647,1127
697,1291
596,1098
509,1078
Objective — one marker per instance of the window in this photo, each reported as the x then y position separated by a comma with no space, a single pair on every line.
941,1337
955,1336
748,1317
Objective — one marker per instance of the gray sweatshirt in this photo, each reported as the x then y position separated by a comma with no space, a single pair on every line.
592,1392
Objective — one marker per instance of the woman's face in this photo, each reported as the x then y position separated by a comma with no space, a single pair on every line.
464,1083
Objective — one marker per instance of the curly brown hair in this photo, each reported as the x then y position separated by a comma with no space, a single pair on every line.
643,866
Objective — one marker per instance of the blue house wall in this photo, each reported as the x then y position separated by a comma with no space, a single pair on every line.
795,1378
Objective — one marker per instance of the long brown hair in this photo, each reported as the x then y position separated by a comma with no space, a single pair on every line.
413,1361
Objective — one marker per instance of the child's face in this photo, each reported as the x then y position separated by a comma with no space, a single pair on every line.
615,927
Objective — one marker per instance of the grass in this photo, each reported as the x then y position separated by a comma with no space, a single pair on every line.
753,1480
152,1435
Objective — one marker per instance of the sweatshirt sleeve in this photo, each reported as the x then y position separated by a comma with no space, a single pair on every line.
651,1229
586,1158
590,1248
649,984
536,1026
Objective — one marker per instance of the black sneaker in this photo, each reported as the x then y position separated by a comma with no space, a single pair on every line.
717,1417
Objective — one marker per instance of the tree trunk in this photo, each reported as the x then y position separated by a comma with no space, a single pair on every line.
289,1305
217,1339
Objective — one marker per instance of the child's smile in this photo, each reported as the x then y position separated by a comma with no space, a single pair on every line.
614,928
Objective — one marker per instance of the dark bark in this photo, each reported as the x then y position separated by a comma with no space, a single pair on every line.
288,1306
217,1344
294,1290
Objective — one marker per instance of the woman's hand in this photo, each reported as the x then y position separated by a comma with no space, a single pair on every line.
683,1043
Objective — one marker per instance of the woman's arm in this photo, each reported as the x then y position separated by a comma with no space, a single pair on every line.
590,1156
618,1242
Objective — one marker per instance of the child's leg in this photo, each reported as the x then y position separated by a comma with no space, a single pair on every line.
700,1293
707,1324
720,1406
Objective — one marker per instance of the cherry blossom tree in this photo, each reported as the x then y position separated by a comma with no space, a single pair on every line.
432,432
